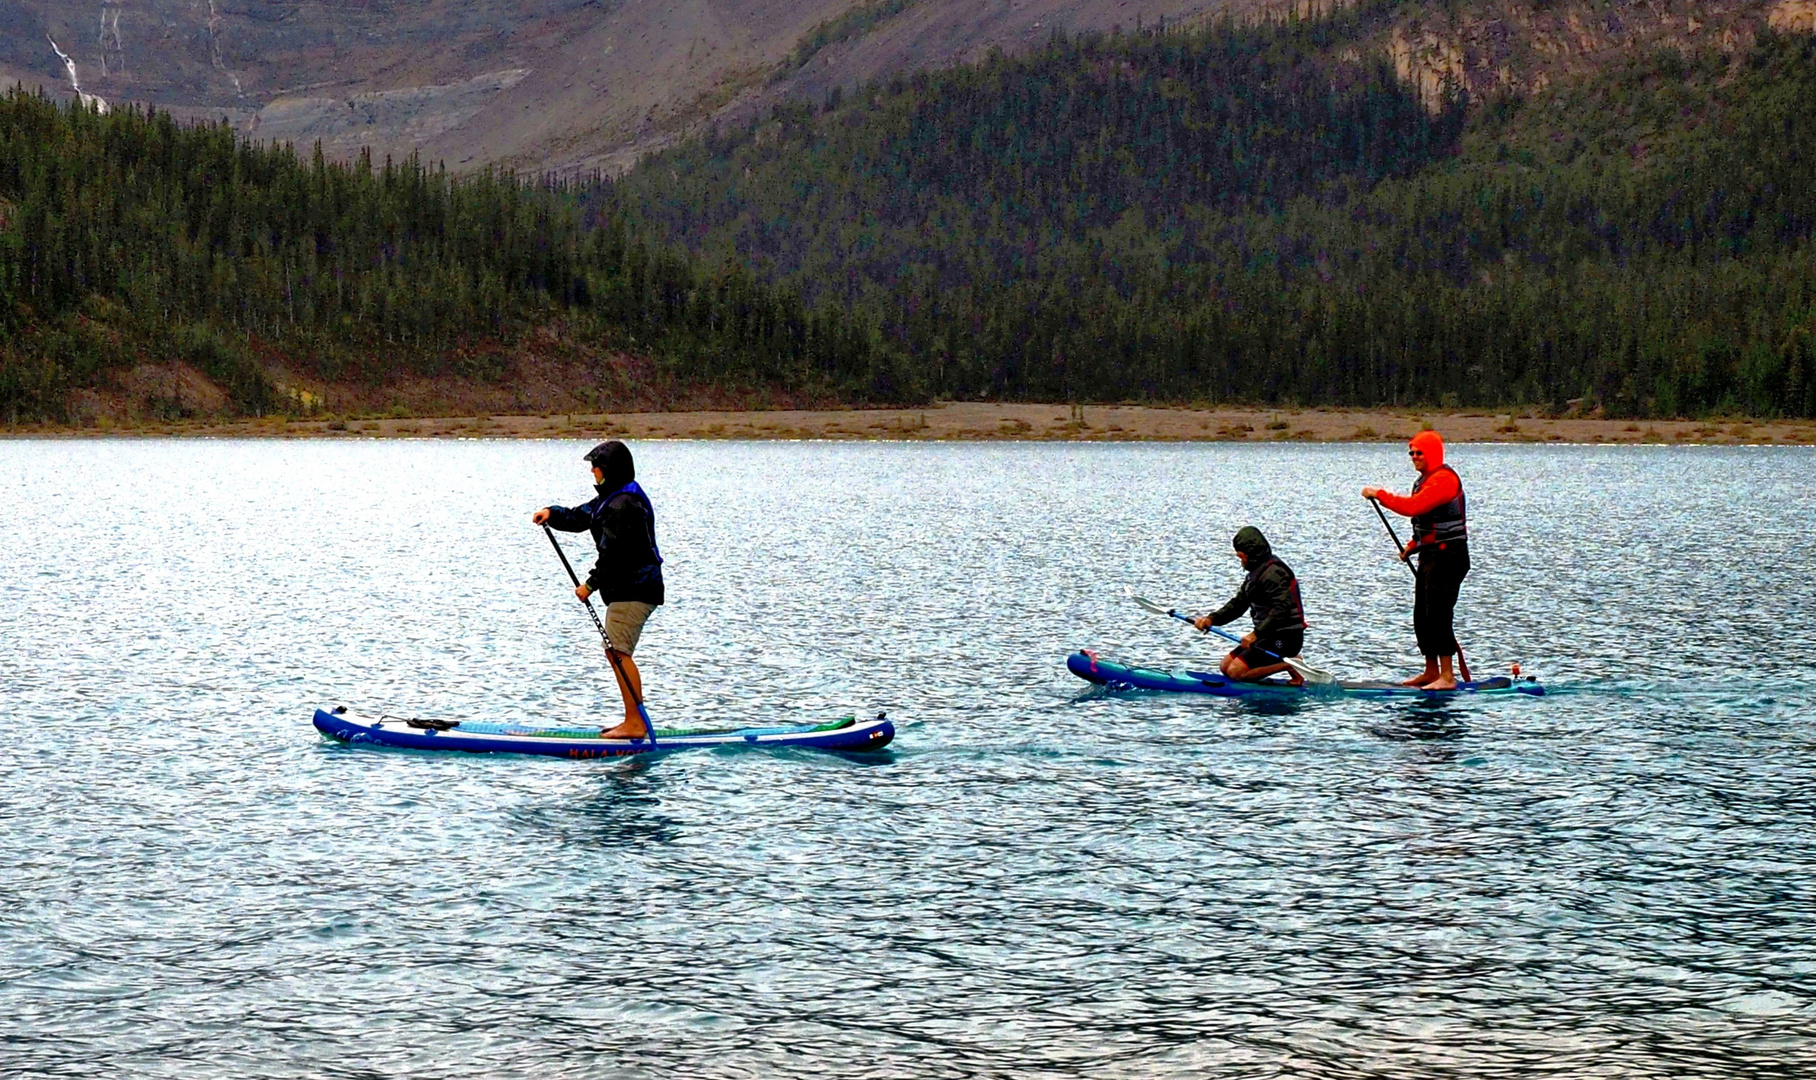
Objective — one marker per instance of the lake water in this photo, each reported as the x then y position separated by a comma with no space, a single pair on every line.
1038,880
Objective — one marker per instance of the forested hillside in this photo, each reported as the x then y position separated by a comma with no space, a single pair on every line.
1263,214
126,238
1251,214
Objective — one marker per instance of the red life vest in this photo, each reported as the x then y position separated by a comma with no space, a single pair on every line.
1445,524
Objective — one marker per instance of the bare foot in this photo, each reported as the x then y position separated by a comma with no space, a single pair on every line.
1420,679
1442,684
626,730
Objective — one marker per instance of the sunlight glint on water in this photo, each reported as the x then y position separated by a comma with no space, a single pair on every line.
1038,880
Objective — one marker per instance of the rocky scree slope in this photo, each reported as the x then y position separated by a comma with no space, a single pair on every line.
577,85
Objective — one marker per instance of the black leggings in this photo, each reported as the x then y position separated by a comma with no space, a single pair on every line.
1434,604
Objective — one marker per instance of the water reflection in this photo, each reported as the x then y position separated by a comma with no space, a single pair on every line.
621,806
1421,721
1273,706
1039,880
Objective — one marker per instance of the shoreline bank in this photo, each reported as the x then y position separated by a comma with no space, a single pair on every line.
980,422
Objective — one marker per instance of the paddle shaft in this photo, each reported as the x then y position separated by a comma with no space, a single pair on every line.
1462,664
611,654
1398,547
1303,670
1222,633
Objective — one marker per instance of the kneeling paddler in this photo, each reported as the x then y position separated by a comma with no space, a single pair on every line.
1271,592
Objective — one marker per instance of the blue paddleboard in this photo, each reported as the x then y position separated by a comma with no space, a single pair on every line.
482,737
1115,676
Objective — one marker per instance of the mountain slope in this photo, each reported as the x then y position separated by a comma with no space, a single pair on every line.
1238,212
577,85
1255,215
534,84
129,242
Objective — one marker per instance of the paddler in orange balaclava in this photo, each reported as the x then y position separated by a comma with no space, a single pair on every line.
1440,537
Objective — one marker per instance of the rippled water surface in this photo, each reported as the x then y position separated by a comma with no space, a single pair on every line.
1037,880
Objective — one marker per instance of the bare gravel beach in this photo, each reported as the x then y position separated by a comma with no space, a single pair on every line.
984,421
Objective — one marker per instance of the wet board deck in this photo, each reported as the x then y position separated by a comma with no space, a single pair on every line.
481,737
1114,676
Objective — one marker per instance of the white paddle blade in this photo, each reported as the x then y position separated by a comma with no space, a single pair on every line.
1149,605
1311,674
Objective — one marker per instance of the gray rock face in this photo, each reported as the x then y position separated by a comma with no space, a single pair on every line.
568,85
577,85
240,54
409,118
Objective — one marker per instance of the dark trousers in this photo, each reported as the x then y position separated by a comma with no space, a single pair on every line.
1434,604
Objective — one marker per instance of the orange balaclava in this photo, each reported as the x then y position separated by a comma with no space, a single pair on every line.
1432,445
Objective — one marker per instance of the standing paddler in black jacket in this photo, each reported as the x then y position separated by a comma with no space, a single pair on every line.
628,575
1272,592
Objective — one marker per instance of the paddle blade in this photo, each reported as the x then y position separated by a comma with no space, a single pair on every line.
1148,605
1312,675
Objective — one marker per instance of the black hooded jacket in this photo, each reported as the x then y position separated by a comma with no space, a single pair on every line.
1270,590
623,524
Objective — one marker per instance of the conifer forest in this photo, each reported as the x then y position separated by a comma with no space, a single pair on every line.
1228,214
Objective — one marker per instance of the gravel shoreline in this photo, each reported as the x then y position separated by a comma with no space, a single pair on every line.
984,422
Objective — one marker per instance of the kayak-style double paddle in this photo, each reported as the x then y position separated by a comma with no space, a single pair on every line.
1405,559
649,729
1305,671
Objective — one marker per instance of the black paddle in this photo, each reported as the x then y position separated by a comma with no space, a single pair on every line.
1400,549
648,728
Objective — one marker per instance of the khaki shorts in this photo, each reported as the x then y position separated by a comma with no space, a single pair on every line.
624,621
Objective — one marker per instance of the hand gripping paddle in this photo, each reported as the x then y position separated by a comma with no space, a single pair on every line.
1310,674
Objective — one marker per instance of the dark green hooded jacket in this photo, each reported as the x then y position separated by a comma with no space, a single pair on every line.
1270,590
